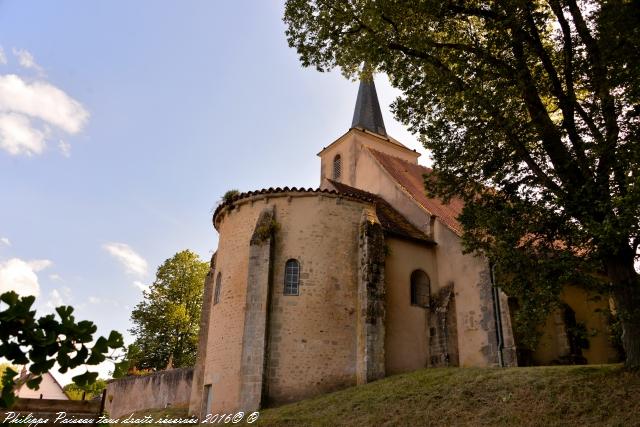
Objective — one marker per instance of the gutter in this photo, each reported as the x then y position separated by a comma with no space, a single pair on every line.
495,294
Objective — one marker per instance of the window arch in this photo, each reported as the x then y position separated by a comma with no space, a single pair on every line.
337,167
216,294
292,277
420,289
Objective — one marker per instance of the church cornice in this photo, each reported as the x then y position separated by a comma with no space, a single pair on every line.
229,204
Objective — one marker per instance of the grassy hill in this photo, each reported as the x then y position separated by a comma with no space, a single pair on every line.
541,396
544,396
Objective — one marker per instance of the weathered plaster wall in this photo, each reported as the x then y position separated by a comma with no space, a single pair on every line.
477,342
553,344
374,179
350,147
158,390
407,331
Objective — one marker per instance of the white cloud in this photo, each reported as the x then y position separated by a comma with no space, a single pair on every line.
138,284
20,276
18,136
42,100
65,148
132,262
3,57
94,300
5,241
28,110
26,60
40,264
55,299
55,277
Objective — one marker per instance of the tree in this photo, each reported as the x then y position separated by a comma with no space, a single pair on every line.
531,111
3,368
167,321
89,391
46,340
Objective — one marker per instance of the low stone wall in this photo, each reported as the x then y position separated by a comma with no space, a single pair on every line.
155,391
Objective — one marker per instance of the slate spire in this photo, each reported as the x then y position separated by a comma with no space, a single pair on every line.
367,114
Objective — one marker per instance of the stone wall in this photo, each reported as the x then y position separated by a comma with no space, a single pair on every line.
195,403
158,390
310,338
370,363
254,340
443,328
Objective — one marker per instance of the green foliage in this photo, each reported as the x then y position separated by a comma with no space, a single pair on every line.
3,368
531,111
266,230
46,340
167,321
90,391
230,195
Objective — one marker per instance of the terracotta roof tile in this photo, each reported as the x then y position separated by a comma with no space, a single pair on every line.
411,177
271,190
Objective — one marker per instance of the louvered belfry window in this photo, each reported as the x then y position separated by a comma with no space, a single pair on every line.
337,167
292,277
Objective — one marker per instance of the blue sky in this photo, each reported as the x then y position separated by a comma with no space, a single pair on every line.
121,125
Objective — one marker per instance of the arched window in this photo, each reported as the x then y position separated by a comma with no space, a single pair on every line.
420,289
337,167
291,277
216,294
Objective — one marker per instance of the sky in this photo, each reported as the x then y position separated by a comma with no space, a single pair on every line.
123,123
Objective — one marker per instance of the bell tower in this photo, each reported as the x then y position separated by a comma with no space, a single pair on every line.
340,159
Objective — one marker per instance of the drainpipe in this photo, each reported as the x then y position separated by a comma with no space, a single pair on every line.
495,292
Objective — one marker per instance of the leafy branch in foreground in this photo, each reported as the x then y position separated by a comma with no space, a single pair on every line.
46,340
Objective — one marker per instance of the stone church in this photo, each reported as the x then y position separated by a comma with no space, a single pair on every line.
313,290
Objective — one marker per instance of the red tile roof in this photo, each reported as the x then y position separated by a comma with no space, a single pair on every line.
410,176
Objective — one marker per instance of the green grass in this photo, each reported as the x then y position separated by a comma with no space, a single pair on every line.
541,396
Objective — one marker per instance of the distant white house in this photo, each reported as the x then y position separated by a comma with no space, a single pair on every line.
50,388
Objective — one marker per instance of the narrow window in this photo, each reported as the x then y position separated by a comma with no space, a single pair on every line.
208,400
216,294
420,289
291,277
337,167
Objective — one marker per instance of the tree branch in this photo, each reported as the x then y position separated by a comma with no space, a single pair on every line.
567,171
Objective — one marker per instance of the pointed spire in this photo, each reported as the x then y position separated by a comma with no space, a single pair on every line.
367,114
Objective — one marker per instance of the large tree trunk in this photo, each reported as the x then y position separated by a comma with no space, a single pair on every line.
626,292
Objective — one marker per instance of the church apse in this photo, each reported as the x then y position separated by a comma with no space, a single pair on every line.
286,322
